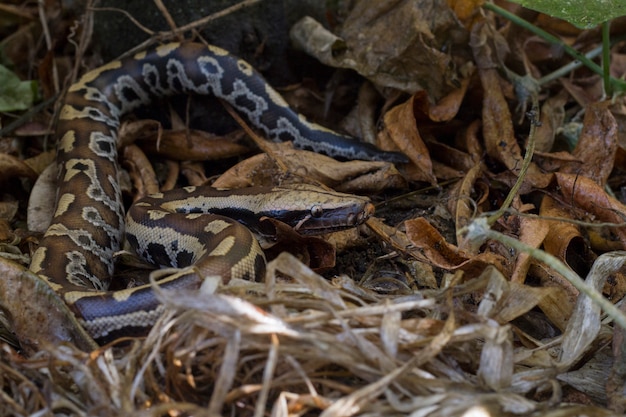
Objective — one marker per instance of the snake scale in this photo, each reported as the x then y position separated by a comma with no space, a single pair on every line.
75,256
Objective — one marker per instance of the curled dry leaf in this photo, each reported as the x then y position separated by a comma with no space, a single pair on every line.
586,320
40,162
313,251
552,116
365,114
195,145
8,210
132,131
446,108
564,239
532,232
356,176
180,144
445,255
400,129
587,195
489,48
506,300
194,173
597,144
38,316
617,379
461,204
40,211
141,172
12,167
404,44
557,161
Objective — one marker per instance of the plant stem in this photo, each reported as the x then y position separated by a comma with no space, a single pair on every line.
621,86
606,58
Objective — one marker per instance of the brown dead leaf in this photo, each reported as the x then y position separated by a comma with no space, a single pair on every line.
466,10
587,195
552,116
445,255
356,176
617,379
454,159
400,128
556,161
313,251
194,173
597,144
38,316
181,144
135,130
461,205
583,96
446,108
195,145
40,211
489,48
508,300
171,178
532,233
564,239
403,48
141,172
12,167
8,210
559,303
40,162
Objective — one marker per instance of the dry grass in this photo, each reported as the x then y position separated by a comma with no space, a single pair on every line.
304,346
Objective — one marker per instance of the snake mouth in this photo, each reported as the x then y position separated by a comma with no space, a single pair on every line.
335,220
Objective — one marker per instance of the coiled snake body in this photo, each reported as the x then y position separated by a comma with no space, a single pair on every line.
75,255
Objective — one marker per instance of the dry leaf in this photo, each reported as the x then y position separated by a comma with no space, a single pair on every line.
38,315
355,176
404,44
313,251
532,232
400,128
587,195
462,205
445,255
141,172
586,322
564,239
552,116
489,48
194,145
597,144
11,167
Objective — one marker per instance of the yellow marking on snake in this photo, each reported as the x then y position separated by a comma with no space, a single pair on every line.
92,75
167,49
66,144
216,226
223,247
64,203
157,214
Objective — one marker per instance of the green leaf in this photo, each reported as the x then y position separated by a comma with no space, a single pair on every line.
15,94
582,13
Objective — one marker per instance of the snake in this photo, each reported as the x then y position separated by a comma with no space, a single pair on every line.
210,232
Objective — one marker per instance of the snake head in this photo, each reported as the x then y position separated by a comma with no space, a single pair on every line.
313,210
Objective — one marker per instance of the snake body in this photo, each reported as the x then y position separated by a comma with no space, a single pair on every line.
75,255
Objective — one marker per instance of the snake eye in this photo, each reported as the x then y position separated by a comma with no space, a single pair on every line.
316,211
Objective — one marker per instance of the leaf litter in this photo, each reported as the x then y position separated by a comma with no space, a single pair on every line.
494,323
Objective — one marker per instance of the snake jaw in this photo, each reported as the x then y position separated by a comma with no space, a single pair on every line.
337,219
